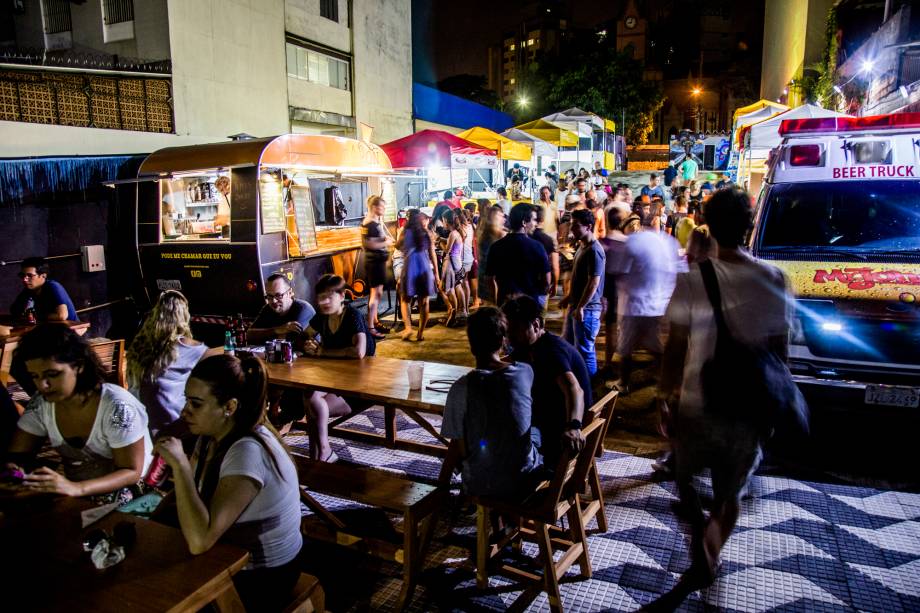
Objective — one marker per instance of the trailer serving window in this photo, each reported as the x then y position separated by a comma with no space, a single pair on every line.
195,207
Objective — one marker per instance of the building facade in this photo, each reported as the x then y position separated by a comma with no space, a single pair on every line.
121,76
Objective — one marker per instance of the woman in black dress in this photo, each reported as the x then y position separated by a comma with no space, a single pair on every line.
376,241
337,331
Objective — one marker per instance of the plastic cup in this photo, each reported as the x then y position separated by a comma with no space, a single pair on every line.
416,372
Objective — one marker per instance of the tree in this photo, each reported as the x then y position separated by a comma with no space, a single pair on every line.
588,72
471,87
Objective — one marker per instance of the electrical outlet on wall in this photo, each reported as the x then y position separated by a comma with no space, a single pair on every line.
93,257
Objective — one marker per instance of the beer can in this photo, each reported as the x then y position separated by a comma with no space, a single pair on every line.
270,351
287,351
158,472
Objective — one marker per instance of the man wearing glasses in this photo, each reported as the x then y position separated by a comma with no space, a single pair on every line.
48,298
283,316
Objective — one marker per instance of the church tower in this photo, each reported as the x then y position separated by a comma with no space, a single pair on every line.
632,29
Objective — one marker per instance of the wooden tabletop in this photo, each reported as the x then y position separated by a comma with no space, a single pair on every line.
378,379
45,568
16,332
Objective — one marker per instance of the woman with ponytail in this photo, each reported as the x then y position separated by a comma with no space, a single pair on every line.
240,486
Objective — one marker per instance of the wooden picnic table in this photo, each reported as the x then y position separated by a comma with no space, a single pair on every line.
379,381
44,566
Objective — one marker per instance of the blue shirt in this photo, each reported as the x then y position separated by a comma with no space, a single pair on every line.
590,261
47,300
653,191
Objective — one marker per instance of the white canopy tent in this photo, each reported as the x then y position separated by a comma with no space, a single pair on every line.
765,134
541,148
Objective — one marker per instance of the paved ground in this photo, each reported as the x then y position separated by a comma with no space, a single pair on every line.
799,546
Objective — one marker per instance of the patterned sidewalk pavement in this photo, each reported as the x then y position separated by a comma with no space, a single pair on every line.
799,546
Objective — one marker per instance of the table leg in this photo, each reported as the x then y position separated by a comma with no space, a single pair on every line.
389,422
411,559
228,601
426,425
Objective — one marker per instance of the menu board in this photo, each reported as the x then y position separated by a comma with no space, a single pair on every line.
271,204
303,216
389,196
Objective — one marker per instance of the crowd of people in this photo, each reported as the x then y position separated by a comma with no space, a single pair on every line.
643,266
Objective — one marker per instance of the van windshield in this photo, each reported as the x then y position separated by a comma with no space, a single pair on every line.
866,219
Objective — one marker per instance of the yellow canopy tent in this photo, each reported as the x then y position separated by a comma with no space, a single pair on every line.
552,134
506,148
744,110
610,126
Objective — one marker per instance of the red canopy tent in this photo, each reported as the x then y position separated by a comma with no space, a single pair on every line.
438,149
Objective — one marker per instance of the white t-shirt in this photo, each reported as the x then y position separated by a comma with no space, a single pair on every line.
506,206
120,421
274,514
756,304
648,268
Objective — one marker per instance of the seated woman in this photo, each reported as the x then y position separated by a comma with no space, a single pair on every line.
99,429
240,485
342,334
161,357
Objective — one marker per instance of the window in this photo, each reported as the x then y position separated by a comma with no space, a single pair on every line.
117,11
530,42
56,16
512,81
195,207
512,47
329,9
317,67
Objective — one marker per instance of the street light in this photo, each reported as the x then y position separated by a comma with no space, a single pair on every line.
697,91
522,101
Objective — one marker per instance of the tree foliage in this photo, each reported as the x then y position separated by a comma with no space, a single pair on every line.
591,74
818,85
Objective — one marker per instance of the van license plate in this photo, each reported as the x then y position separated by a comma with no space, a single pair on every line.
891,396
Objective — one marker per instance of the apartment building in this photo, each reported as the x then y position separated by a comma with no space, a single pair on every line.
104,77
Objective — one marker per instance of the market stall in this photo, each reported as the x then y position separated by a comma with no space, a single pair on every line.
544,153
214,221
445,161
509,152
746,116
597,137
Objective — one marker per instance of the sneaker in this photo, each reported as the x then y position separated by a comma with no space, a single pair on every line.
382,328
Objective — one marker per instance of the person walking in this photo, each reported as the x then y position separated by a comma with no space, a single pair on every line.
752,304
689,168
583,300
419,271
376,241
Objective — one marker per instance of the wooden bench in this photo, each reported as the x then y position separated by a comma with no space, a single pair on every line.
417,503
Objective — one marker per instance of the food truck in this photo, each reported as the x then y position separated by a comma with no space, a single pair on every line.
215,221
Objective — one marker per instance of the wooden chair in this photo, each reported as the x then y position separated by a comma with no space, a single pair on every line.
111,355
308,596
602,409
537,518
416,502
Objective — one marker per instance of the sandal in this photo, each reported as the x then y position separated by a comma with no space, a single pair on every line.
332,458
377,335
382,328
407,335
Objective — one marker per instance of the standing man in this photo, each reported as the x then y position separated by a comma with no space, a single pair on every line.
648,271
756,304
688,168
518,263
561,383
552,178
583,318
503,201
653,188
581,189
49,298
282,314
549,244
669,173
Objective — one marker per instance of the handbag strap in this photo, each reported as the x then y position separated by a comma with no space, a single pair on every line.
711,283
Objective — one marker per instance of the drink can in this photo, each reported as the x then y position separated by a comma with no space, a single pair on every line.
158,472
287,351
270,351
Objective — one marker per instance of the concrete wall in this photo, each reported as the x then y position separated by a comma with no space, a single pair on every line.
151,29
383,67
229,71
302,19
793,39
307,95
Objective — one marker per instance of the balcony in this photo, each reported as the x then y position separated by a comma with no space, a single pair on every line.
86,90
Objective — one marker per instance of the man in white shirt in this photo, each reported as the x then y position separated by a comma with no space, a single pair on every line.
503,201
757,307
647,273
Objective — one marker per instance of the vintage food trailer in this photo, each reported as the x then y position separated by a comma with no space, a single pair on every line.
214,221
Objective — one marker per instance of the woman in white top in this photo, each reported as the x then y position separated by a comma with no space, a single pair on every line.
99,429
240,486
161,357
